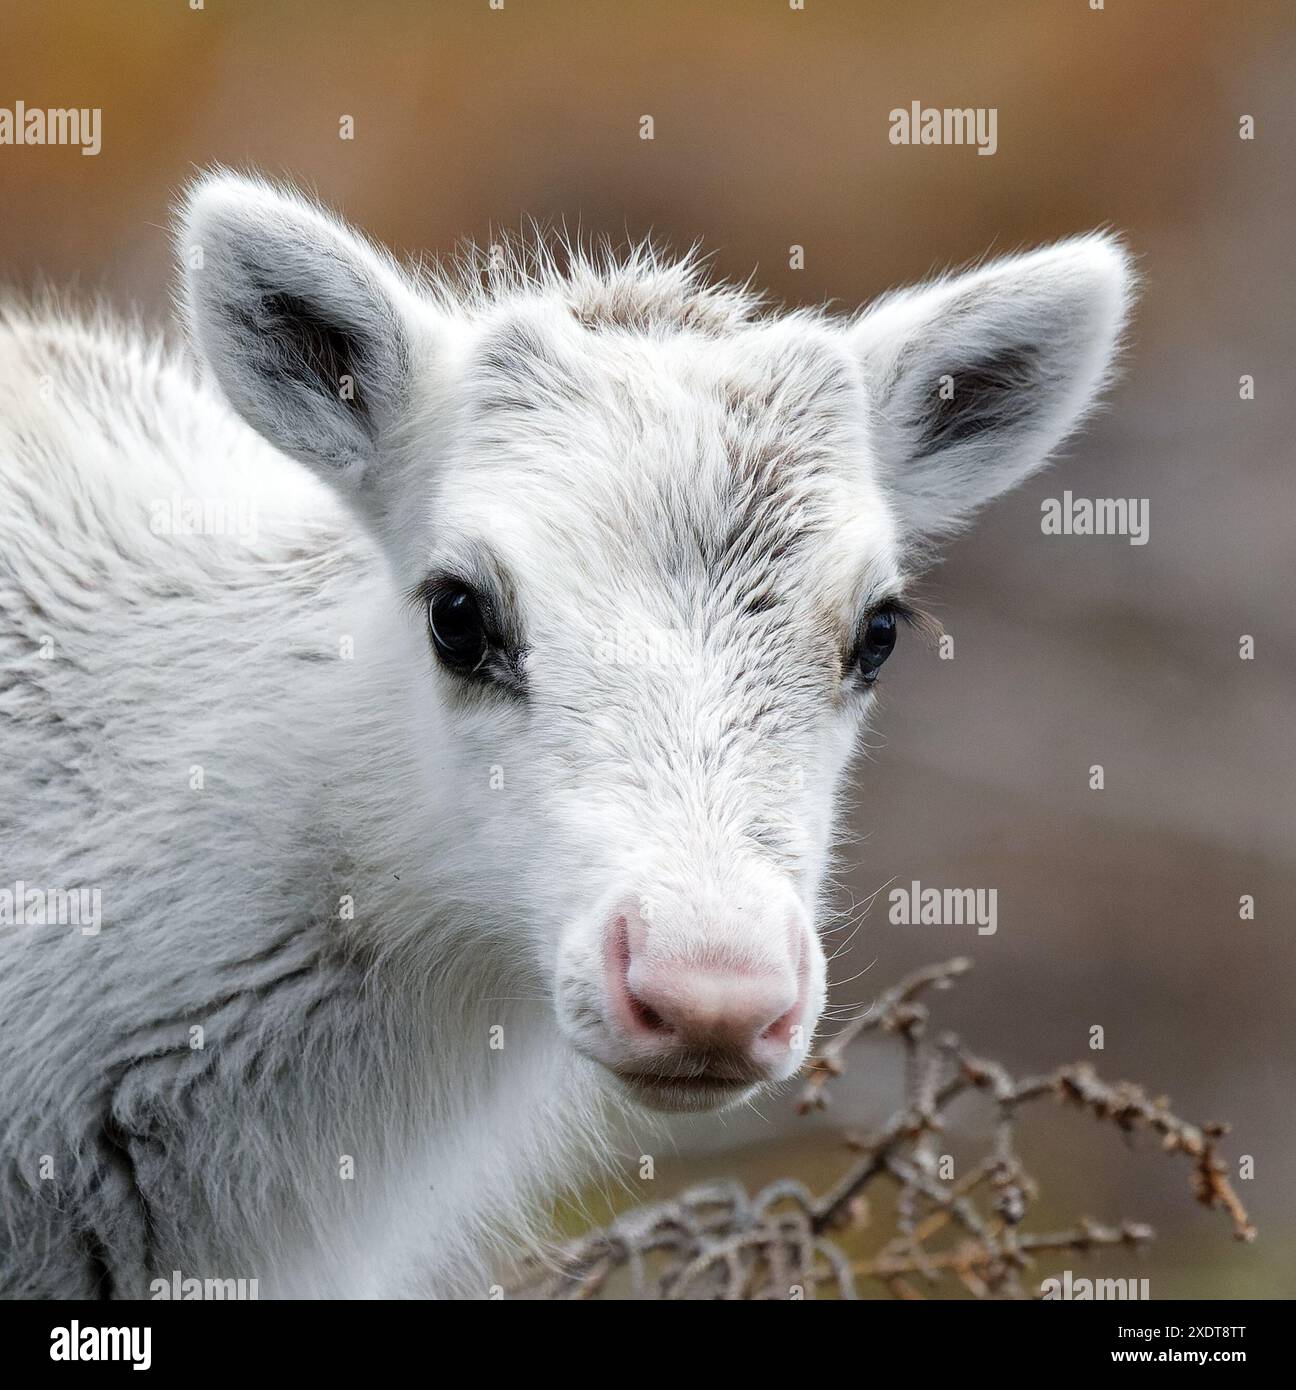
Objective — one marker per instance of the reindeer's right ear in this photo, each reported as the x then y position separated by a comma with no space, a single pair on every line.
306,326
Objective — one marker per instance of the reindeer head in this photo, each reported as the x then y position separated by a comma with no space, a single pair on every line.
657,544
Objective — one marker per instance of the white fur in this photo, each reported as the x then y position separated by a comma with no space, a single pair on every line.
643,454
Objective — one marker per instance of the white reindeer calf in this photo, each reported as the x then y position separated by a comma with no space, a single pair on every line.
481,771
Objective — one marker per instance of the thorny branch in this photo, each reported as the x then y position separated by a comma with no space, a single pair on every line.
715,1241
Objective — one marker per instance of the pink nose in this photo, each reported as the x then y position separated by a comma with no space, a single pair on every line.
739,1006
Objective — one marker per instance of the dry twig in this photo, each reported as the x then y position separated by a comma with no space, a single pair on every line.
715,1241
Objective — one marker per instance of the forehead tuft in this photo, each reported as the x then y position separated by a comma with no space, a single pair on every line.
641,289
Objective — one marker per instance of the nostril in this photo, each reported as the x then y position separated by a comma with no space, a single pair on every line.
781,1029
645,1015
634,1010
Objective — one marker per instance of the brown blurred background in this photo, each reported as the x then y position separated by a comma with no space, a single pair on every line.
1117,907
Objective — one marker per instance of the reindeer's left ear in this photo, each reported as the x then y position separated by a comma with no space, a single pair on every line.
976,378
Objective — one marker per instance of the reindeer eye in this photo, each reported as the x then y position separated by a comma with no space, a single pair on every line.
876,643
455,622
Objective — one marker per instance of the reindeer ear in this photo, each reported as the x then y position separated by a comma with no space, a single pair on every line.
306,327
976,378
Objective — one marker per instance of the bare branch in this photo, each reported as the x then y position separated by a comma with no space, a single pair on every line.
715,1241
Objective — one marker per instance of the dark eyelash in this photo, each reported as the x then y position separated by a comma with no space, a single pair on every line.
918,620
428,588
915,619
422,593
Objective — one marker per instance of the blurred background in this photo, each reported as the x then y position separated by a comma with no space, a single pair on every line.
1117,907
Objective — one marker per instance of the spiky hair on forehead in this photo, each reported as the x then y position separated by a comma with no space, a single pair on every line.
636,286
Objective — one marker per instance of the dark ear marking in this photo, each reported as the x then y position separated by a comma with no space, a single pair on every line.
991,393
298,345
322,352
